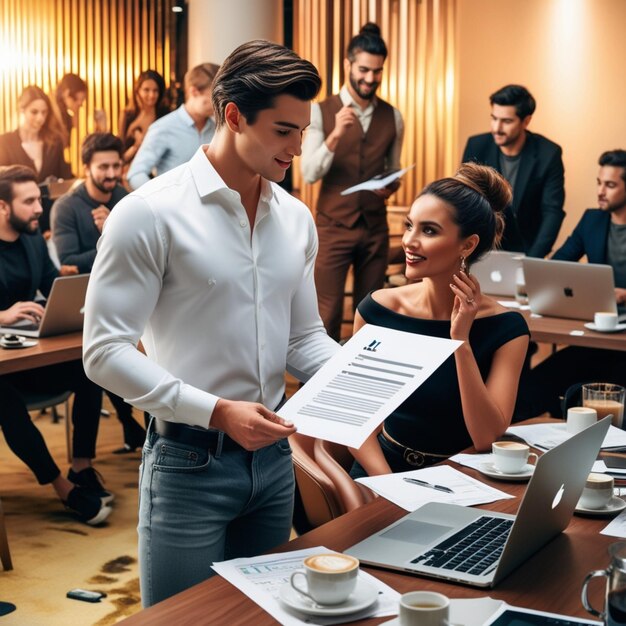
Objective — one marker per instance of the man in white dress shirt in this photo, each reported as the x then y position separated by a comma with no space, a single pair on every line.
211,265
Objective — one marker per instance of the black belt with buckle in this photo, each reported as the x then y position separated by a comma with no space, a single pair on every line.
416,458
195,436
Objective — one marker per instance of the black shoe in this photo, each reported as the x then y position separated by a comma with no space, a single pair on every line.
90,479
88,506
127,449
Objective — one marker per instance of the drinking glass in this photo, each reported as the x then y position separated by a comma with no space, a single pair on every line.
606,399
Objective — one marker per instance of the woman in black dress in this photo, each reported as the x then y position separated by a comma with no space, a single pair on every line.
470,399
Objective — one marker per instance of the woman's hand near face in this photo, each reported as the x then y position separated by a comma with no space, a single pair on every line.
466,304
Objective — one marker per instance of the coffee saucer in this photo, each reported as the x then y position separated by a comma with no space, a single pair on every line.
618,329
489,469
615,505
364,595
16,345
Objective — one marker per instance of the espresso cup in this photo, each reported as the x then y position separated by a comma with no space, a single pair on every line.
509,457
330,578
424,608
598,491
579,418
605,320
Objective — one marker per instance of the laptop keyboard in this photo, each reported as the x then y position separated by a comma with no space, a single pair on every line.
474,549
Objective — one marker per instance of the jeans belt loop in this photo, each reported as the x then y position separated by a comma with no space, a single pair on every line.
220,443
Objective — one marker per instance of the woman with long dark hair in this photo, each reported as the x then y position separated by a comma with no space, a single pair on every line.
38,141
145,107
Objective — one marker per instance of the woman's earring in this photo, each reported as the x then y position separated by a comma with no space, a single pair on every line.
463,265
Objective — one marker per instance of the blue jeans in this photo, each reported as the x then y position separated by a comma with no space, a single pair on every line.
196,508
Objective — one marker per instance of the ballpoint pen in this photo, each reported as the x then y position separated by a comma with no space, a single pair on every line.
423,483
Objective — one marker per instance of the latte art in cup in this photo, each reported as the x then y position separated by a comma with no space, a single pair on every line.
331,563
510,457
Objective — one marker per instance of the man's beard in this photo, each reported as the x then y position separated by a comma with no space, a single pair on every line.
366,96
100,186
22,226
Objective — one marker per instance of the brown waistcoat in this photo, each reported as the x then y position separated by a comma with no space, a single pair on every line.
358,157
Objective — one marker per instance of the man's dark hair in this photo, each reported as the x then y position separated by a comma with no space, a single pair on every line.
257,72
368,40
614,158
11,174
517,96
100,142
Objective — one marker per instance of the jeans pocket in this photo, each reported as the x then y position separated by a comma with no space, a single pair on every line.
175,457
282,445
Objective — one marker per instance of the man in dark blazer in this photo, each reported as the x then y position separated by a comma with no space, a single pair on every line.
601,237
601,233
26,268
533,166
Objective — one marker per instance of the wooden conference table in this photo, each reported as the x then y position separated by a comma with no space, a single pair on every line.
48,351
68,347
551,580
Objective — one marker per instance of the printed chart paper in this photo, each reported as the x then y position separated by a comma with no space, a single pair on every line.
373,373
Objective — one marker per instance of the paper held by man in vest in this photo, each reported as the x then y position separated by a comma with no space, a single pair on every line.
377,182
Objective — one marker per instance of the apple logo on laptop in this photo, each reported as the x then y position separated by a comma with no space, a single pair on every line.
568,291
558,497
496,276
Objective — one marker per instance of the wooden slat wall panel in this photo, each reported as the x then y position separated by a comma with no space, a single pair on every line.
106,42
419,78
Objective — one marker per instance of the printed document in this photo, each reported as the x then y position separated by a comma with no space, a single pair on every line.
548,436
261,578
377,182
373,373
463,489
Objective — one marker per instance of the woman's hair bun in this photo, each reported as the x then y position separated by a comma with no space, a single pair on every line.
487,181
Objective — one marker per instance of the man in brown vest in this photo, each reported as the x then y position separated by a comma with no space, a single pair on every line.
353,136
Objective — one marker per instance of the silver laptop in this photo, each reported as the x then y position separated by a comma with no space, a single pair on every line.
63,312
566,289
497,272
426,542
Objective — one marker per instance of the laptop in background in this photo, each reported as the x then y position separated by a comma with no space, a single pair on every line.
423,542
569,289
497,272
63,312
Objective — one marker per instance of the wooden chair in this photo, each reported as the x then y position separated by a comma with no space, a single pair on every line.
5,554
41,401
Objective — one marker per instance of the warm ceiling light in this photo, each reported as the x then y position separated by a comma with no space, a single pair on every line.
177,9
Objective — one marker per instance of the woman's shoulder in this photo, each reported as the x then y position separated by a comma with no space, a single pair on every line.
394,299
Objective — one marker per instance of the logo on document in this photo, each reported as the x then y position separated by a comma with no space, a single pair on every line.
371,347
568,291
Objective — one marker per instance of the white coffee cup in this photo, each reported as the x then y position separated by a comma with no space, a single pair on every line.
605,320
330,578
579,418
424,608
598,491
510,457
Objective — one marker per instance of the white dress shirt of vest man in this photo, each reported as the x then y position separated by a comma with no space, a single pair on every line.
175,137
77,219
354,135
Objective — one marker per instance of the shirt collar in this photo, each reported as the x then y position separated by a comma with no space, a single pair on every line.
184,115
208,181
348,100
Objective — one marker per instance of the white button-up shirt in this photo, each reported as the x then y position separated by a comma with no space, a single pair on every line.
221,309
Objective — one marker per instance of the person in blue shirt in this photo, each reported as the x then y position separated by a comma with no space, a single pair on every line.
173,139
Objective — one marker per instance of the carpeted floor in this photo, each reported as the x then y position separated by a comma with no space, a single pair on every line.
53,553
